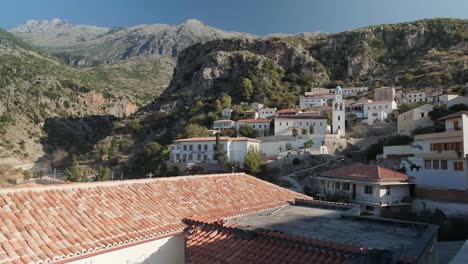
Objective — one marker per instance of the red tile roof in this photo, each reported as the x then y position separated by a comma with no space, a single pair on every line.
62,221
260,120
218,243
366,172
290,110
195,139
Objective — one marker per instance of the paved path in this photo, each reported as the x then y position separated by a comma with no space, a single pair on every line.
298,186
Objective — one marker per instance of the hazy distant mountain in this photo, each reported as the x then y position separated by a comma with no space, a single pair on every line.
85,45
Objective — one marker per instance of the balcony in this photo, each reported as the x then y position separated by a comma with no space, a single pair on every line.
447,134
387,200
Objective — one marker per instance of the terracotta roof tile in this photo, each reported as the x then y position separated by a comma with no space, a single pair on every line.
366,172
260,120
227,244
63,221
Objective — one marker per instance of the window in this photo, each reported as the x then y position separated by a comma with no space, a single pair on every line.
386,107
422,114
339,117
387,190
337,185
435,164
458,165
198,157
346,186
443,164
280,124
205,147
368,189
185,147
449,146
205,157
328,185
199,146
253,126
375,114
190,157
322,182
369,208
427,164
190,147
456,125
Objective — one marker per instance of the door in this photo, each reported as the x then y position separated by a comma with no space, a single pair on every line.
354,191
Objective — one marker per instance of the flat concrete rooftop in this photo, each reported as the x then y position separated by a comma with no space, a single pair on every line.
335,225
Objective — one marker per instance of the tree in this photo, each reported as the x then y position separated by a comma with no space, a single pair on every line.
194,130
226,101
135,126
247,131
246,88
308,144
304,131
311,129
152,150
218,106
253,161
220,153
103,174
295,133
74,173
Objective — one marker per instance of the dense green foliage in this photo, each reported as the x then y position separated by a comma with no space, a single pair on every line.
253,162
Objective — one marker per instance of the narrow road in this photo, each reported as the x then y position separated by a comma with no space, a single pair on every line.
297,186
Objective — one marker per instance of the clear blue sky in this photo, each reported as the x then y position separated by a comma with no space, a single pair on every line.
254,16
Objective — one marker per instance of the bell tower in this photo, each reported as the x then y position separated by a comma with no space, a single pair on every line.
338,115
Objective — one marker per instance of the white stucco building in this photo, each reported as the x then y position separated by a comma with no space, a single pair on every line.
202,149
223,124
440,167
226,113
262,126
374,188
444,98
414,96
415,118
301,124
266,112
307,102
256,106
353,91
378,111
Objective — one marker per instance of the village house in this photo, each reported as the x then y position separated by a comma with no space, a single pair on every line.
414,96
198,219
256,106
307,102
203,149
373,187
288,112
250,114
353,91
262,126
439,167
414,118
378,111
226,113
318,90
223,124
303,123
444,98
266,113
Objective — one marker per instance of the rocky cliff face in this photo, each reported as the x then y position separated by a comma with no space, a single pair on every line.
86,45
423,51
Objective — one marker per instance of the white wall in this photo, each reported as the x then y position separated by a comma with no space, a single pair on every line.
400,150
163,251
276,146
448,179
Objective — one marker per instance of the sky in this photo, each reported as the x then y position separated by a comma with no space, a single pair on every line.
259,17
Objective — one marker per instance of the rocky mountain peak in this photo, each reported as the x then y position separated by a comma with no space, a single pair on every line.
41,25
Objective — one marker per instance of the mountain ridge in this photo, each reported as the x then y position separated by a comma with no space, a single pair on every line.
87,45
